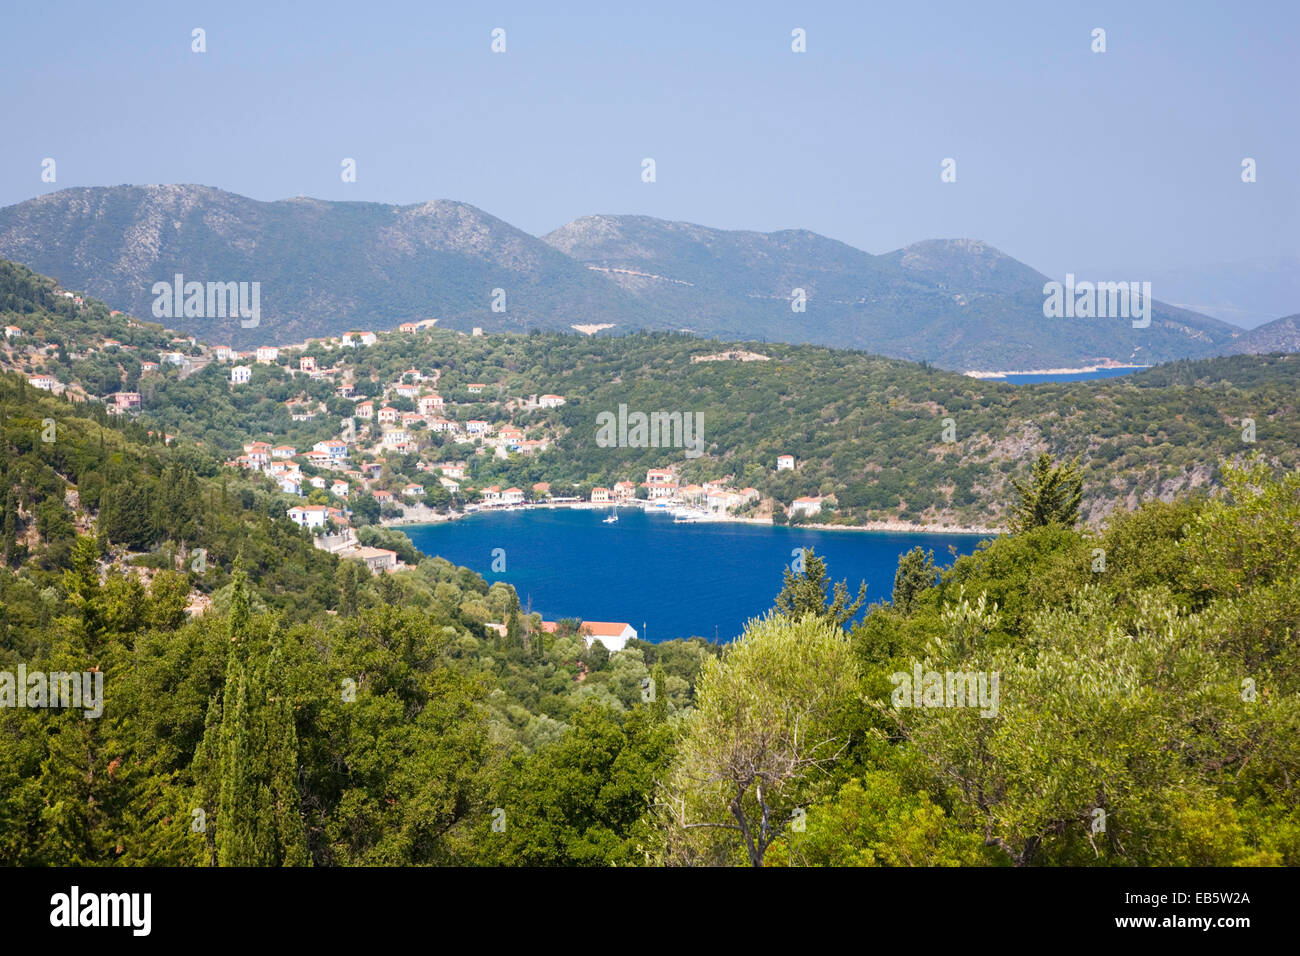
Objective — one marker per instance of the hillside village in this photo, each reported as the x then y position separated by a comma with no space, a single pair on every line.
381,464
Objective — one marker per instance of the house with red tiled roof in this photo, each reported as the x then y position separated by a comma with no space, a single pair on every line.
807,506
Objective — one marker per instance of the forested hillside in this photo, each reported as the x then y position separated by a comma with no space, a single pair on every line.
1145,710
868,430
1134,678
213,620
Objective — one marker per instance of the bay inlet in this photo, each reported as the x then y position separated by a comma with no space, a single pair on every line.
667,580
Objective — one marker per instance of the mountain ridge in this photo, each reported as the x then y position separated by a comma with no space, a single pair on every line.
326,267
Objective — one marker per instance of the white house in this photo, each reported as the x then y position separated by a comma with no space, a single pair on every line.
266,354
336,449
413,490
12,331
240,374
309,516
45,382
551,401
614,635
477,427
339,488
785,462
283,451
512,496
806,506
431,404
658,490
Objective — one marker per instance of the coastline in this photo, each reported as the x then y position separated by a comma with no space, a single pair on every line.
902,527
1050,371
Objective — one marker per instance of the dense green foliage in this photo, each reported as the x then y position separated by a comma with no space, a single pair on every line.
265,703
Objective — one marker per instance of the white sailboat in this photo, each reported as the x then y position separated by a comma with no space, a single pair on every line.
612,518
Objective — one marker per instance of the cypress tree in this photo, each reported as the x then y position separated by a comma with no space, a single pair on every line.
259,817
659,706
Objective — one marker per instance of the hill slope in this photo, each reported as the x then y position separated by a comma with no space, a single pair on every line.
1280,335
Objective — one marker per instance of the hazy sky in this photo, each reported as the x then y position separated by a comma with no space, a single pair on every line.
1066,159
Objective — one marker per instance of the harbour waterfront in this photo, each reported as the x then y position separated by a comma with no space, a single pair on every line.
664,578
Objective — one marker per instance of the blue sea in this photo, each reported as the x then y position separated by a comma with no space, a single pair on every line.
1063,377
667,580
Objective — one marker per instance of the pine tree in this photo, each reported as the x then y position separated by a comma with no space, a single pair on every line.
805,594
915,573
1052,496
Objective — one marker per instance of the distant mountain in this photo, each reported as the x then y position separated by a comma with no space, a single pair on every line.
328,267
324,267
1245,294
959,303
1280,335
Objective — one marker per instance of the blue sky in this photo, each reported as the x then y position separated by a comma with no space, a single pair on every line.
1066,159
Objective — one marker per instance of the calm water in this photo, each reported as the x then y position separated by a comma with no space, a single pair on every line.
1067,377
667,580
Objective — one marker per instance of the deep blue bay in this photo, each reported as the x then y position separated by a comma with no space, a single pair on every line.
1063,376
667,580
